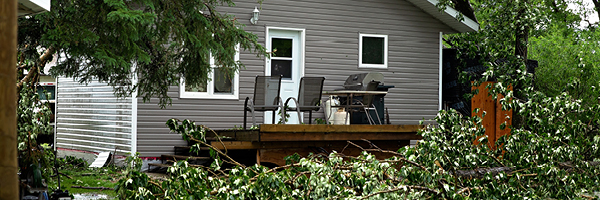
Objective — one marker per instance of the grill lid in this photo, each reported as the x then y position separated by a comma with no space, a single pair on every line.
360,81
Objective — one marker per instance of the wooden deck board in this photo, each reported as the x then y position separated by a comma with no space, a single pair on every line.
277,132
241,145
353,128
240,135
272,142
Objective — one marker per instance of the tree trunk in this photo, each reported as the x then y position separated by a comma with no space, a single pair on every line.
521,43
9,185
521,40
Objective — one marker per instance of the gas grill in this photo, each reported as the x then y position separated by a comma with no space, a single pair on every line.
361,81
372,81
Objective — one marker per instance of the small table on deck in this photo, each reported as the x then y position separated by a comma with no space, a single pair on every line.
350,94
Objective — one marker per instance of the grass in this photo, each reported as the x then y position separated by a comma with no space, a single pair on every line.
87,177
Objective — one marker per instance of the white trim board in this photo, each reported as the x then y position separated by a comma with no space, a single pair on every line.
448,17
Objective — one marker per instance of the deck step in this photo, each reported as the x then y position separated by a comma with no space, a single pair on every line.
178,157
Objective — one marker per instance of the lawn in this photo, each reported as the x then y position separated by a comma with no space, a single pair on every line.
79,175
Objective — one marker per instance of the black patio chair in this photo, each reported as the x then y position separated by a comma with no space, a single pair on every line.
266,97
309,97
367,102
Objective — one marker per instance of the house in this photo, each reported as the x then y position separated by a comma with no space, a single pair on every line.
313,38
32,7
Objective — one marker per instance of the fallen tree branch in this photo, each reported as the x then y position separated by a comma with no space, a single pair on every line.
218,137
63,175
40,62
587,196
400,156
410,187
275,169
157,185
495,159
468,189
481,172
92,188
219,152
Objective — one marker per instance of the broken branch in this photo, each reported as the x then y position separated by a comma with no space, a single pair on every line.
93,188
403,187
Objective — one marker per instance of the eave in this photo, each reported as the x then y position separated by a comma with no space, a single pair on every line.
31,7
448,16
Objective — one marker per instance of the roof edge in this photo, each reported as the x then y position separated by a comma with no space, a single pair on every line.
31,7
448,16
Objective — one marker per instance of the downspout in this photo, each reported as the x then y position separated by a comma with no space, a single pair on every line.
134,105
440,71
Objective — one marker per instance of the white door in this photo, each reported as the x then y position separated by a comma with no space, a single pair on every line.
286,59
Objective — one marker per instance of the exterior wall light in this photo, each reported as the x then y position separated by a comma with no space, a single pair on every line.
255,15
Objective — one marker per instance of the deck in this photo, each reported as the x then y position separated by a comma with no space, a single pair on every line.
272,142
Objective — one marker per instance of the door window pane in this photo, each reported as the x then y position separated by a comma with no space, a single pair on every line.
281,47
222,81
46,92
373,50
281,67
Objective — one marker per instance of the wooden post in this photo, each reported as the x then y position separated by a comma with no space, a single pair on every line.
9,185
486,104
258,156
502,116
494,116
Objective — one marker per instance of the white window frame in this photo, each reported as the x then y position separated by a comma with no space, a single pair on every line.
385,51
209,94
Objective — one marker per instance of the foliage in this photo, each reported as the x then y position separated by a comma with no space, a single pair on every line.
158,41
320,121
71,163
555,156
567,58
33,119
79,175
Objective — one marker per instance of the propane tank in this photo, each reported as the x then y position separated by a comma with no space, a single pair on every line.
340,117
330,107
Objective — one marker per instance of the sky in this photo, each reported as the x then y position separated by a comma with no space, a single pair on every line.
593,17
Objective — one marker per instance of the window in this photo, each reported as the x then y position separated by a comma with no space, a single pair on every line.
372,51
220,85
281,57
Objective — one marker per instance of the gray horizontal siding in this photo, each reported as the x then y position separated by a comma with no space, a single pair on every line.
331,44
90,117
